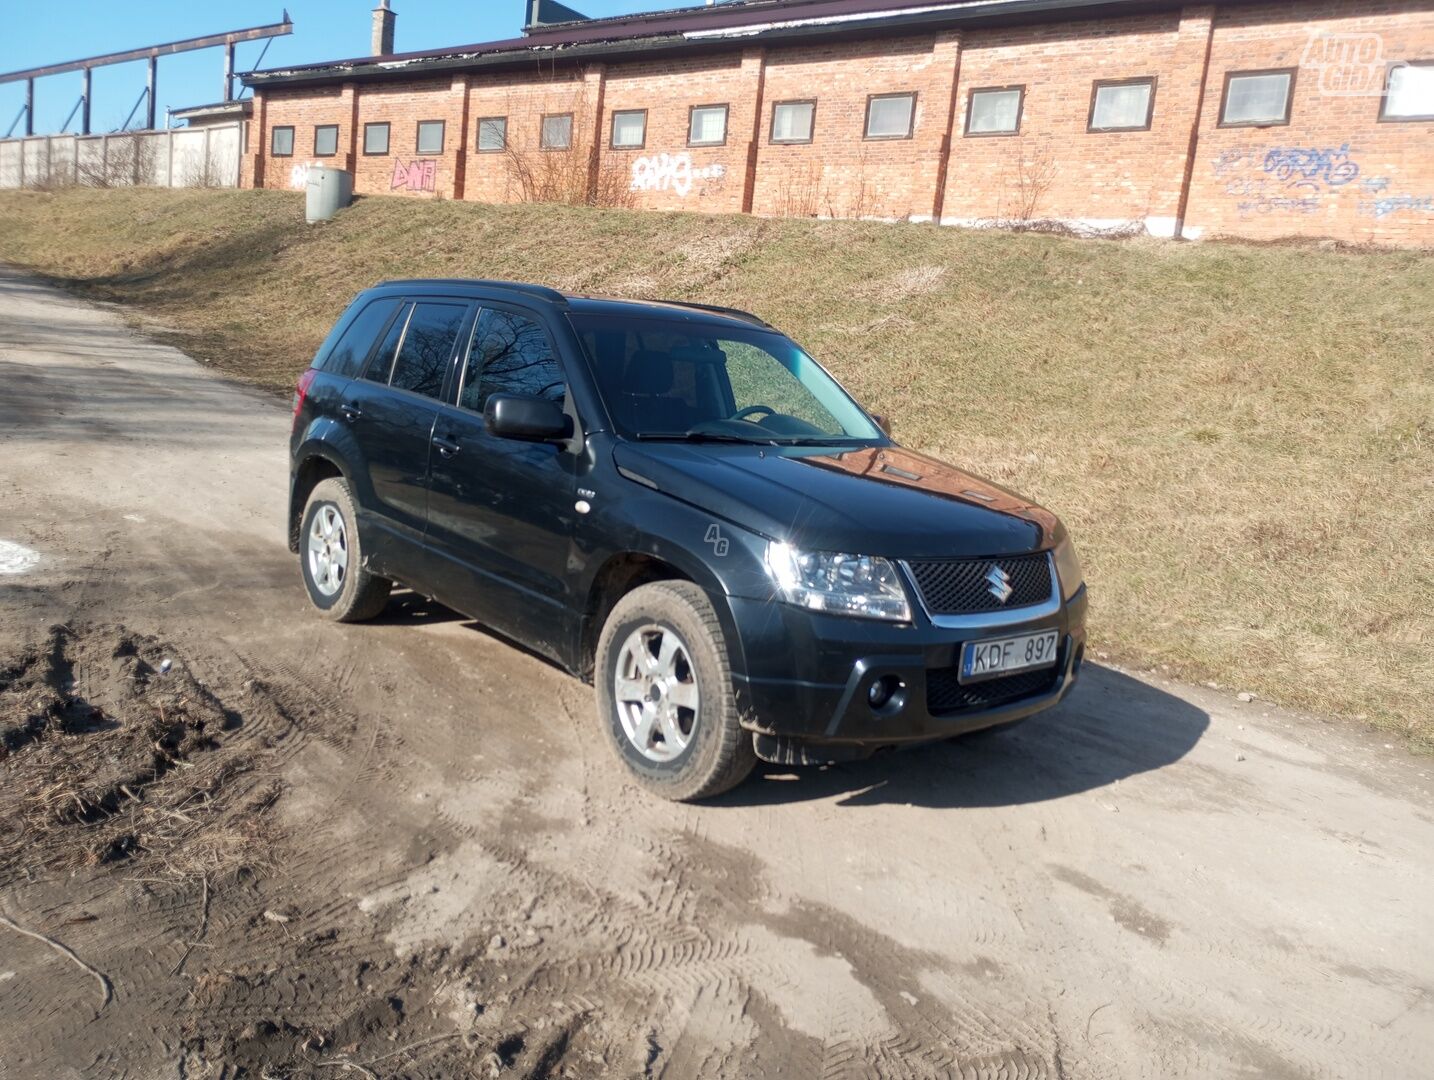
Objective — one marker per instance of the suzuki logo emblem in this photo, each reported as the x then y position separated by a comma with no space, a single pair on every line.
998,583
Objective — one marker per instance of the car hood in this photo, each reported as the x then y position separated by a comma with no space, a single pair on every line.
874,500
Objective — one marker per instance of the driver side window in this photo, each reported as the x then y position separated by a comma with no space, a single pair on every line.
510,354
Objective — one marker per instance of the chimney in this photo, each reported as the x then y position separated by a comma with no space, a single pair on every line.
383,20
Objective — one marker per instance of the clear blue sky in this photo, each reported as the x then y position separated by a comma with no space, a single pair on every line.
52,31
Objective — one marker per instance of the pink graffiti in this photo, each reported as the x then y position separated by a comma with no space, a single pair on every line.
420,174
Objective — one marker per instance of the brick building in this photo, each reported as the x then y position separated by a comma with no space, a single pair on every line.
1258,120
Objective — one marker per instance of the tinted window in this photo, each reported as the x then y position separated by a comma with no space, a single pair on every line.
995,112
492,133
510,355
430,136
283,142
375,138
348,356
792,121
707,126
382,362
890,116
557,132
427,347
1123,106
326,140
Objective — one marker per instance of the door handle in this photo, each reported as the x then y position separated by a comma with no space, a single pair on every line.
351,412
446,447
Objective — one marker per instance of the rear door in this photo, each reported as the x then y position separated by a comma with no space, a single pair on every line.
501,512
390,412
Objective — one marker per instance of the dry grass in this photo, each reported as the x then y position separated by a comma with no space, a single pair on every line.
1241,438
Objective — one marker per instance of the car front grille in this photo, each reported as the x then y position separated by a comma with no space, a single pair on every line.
960,586
945,693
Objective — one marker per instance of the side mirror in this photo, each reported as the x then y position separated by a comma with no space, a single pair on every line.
883,422
531,419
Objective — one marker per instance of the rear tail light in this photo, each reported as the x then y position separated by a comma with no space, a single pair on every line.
301,391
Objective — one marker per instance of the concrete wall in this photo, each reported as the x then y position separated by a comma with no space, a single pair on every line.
181,157
1334,170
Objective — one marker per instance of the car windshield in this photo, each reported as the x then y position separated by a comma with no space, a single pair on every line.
674,379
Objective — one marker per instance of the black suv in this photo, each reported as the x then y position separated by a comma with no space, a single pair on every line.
678,502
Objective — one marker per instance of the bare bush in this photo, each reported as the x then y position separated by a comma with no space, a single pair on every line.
576,175
799,192
126,160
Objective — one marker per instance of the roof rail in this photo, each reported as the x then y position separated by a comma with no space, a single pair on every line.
540,292
736,313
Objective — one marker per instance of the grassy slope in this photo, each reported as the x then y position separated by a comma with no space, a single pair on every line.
1241,439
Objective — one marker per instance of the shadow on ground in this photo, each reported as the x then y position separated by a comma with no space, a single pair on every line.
1111,727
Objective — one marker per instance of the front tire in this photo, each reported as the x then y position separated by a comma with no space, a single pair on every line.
664,693
331,557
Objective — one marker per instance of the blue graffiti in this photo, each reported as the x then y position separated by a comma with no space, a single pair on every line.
1395,204
1374,185
1294,164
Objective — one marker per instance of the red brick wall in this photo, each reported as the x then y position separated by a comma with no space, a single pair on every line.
667,174
840,173
1054,167
403,170
1333,171
524,101
302,110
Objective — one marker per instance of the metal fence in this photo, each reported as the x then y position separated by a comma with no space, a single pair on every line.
179,157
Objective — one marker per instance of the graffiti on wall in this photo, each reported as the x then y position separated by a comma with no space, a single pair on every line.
1382,206
299,176
671,172
1284,179
420,174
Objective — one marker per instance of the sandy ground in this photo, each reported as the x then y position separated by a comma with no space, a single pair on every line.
401,849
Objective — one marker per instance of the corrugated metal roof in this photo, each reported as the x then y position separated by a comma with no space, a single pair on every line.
700,28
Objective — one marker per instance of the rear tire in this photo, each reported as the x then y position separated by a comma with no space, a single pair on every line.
331,557
664,693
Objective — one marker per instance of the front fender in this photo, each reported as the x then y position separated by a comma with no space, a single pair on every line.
725,559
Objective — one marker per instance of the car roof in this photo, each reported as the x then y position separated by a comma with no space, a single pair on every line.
480,289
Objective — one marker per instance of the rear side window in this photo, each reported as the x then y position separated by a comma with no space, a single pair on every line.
510,355
427,347
348,356
381,363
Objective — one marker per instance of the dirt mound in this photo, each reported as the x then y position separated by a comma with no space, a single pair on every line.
108,752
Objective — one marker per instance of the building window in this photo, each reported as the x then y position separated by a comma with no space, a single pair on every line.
430,137
793,121
326,140
492,134
1257,98
1122,104
707,125
629,129
1408,91
375,139
557,131
890,116
995,110
281,142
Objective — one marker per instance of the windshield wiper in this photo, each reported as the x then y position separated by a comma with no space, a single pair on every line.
705,436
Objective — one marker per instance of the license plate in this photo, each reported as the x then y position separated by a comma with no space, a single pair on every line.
1003,656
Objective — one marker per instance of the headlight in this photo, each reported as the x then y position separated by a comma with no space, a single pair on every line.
863,585
1068,567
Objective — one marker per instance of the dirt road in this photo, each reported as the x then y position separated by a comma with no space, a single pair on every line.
401,849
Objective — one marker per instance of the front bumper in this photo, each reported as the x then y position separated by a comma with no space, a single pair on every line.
807,676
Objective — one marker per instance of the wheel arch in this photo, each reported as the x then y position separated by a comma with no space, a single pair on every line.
314,468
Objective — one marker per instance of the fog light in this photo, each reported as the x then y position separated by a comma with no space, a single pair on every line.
886,694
